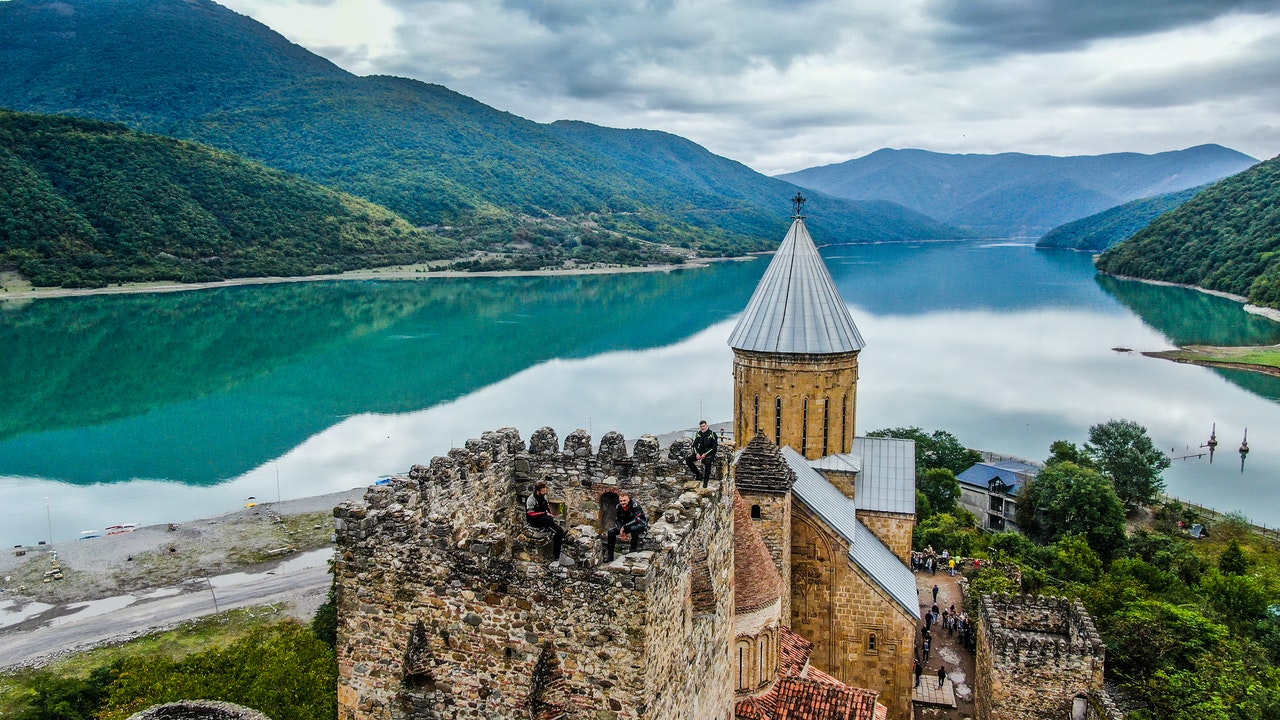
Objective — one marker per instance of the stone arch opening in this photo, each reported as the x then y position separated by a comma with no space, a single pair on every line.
755,512
607,515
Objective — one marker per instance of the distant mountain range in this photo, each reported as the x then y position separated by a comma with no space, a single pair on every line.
1102,230
193,69
1226,238
1012,194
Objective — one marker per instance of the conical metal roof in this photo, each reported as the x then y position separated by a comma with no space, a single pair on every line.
796,307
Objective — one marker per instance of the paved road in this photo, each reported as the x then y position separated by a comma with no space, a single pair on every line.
79,626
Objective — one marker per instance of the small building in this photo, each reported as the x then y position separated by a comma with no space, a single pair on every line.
1039,658
990,489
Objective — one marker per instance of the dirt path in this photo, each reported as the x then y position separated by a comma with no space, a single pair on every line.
947,652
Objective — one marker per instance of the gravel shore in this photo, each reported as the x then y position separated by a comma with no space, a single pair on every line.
164,555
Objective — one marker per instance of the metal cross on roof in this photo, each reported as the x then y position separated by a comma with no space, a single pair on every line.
797,203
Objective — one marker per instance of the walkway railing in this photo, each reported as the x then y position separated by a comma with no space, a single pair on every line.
1212,515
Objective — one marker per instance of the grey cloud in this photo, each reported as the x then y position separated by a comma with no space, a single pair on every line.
1249,76
1055,25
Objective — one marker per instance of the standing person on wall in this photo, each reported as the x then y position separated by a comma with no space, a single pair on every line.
704,451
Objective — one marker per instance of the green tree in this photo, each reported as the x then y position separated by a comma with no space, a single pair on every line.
1067,451
59,697
1075,561
1066,499
939,449
1232,560
954,533
941,487
1124,453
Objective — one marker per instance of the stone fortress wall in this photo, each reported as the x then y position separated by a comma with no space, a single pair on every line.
450,608
1038,657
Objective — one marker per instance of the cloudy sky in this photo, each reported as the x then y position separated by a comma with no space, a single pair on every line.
782,86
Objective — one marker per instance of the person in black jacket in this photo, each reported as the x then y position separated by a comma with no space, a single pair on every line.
630,521
704,451
539,515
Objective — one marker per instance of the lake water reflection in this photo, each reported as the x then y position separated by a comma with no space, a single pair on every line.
155,408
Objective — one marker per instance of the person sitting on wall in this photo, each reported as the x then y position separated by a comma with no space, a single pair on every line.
704,451
538,512
631,521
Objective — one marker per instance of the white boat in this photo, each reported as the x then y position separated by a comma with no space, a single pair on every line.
122,528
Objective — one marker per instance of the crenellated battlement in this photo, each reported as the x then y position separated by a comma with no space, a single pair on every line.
1037,657
1052,627
449,600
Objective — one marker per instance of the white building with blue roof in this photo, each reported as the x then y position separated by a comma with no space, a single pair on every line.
990,490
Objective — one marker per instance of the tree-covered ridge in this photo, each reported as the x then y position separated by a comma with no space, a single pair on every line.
1227,238
205,73
1100,231
86,203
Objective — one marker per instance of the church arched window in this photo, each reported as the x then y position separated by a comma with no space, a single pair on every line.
755,419
777,420
755,512
826,426
844,423
804,428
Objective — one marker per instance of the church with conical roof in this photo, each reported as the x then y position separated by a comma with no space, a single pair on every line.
835,510
779,591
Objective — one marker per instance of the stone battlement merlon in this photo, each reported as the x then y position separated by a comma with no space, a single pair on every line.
1041,625
474,496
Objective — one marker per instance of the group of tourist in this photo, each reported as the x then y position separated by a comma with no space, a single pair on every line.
630,522
930,561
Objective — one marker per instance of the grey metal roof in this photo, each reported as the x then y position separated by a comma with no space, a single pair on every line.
887,482
865,549
796,307
890,573
839,462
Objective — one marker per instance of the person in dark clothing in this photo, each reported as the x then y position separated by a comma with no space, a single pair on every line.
630,521
919,671
538,512
942,675
704,451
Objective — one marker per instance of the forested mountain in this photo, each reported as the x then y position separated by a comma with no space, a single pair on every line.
1226,238
85,203
1012,194
1102,230
196,70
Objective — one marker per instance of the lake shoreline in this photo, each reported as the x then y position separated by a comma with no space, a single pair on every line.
1266,312
403,272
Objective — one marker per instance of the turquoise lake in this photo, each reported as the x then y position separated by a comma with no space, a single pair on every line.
156,408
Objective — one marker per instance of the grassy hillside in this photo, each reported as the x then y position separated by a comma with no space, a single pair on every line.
1102,230
1017,194
86,203
193,69
1226,238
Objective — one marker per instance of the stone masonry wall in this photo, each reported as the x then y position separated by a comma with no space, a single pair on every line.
1036,654
449,609
828,382
839,608
893,529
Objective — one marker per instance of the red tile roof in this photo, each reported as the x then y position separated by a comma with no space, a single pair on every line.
756,580
806,693
800,699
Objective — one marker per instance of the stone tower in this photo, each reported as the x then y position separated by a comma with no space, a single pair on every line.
764,482
795,353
